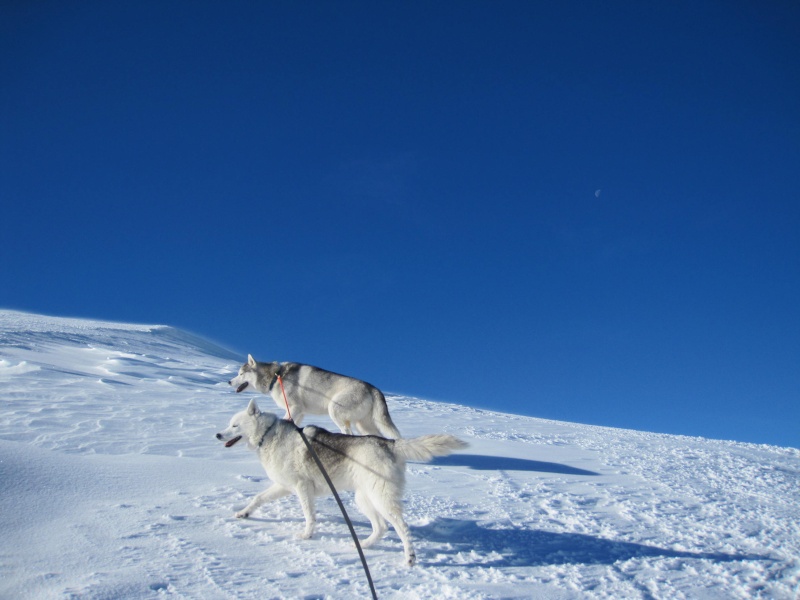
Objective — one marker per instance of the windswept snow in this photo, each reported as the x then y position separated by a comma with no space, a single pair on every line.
113,486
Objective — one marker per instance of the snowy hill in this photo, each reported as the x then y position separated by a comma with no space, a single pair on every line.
113,486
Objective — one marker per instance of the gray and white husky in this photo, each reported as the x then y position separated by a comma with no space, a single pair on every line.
372,466
310,390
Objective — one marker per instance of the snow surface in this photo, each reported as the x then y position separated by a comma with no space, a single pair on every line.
113,486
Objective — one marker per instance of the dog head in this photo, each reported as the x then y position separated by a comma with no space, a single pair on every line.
248,375
243,425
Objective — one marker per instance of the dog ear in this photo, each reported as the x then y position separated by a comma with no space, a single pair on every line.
252,408
251,361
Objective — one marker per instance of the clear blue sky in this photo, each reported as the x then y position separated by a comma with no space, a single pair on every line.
586,211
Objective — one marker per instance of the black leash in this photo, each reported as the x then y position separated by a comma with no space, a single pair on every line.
335,495
344,512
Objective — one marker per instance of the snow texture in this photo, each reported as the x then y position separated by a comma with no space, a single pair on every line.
113,486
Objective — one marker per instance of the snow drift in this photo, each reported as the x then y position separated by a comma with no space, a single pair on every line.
113,486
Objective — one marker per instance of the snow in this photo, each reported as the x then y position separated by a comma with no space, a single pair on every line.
113,486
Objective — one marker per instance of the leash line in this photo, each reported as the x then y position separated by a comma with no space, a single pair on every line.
285,400
335,494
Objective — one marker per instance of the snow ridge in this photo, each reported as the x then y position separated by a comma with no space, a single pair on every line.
114,487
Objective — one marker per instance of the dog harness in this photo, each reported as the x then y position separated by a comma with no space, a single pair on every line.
275,377
263,437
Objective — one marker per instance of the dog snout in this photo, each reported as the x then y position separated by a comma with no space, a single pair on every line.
219,436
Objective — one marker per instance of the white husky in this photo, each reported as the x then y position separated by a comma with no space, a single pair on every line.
348,401
372,466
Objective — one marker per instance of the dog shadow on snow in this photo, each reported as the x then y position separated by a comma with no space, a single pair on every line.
482,462
465,543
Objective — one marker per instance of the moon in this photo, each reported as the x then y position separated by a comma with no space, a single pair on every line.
597,193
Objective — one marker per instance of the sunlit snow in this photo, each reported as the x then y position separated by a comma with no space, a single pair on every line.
113,486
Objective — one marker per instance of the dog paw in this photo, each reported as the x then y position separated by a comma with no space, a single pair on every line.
304,535
242,514
411,559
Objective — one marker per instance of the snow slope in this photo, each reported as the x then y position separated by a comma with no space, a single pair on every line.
113,486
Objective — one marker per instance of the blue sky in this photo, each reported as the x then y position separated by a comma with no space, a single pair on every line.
575,210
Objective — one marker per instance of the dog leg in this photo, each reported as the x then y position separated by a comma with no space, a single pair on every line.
342,423
307,504
379,526
297,416
271,493
390,506
401,528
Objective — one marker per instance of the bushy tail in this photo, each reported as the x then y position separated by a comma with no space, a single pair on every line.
380,414
426,447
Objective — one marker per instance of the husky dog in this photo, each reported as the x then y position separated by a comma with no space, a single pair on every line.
372,466
349,402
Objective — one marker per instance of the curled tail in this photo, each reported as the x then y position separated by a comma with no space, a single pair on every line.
426,447
380,415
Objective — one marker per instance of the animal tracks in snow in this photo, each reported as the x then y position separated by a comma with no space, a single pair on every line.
120,490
